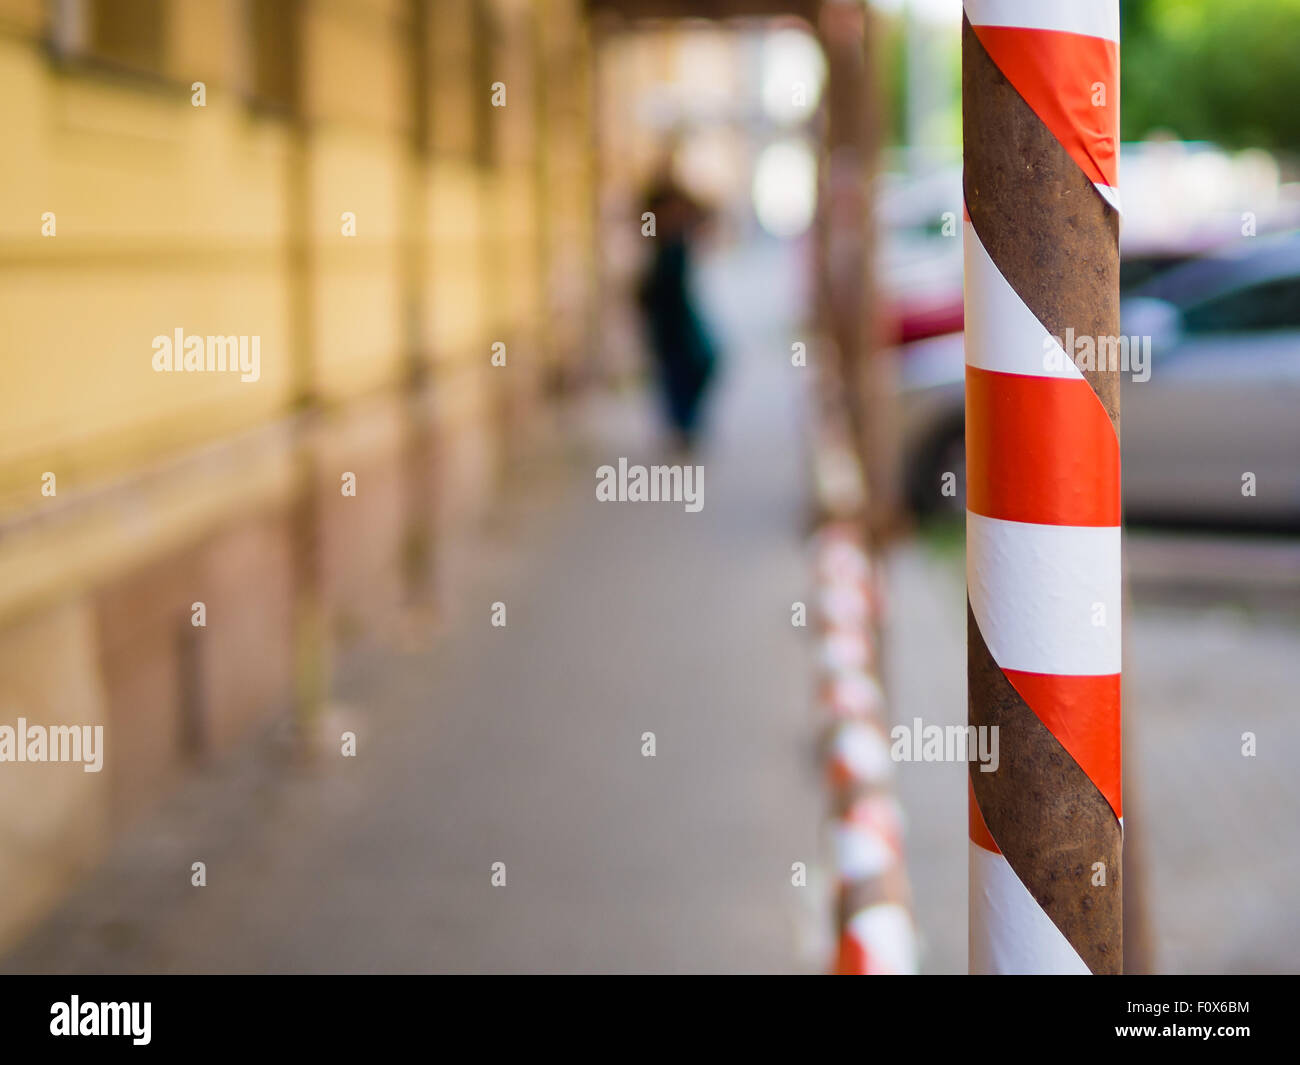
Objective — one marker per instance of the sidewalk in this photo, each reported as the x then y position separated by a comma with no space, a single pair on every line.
523,745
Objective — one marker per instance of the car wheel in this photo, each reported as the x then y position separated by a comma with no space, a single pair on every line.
934,492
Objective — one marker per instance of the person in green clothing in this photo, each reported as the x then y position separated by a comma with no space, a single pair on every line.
684,353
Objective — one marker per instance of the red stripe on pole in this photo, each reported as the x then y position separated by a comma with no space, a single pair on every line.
1039,449
979,831
1082,712
851,958
1058,75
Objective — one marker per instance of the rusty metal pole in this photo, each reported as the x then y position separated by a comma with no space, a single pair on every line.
1040,94
865,373
877,373
843,207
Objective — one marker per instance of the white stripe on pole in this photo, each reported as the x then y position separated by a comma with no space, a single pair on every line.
886,932
1009,932
1093,18
1046,597
1002,333
861,851
1110,194
862,750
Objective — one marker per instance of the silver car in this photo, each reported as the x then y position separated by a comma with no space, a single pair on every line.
1213,434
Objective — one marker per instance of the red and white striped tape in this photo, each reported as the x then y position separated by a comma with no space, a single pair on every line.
1062,57
1043,521
875,934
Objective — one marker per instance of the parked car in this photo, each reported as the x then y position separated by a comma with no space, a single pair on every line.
1218,418
920,257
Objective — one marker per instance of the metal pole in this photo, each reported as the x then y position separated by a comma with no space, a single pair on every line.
1040,95
852,142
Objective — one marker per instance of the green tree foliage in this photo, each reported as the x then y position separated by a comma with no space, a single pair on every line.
1220,70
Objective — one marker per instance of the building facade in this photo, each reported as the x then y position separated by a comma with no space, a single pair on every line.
366,200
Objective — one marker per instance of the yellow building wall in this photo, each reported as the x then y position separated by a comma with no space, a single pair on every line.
166,216
356,102
226,220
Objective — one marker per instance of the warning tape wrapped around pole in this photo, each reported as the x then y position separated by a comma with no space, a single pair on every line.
1040,105
875,934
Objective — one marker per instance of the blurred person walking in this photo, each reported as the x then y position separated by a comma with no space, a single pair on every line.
684,353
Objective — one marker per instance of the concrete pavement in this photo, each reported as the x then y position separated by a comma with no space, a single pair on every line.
523,745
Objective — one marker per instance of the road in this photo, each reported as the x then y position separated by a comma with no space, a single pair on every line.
1212,635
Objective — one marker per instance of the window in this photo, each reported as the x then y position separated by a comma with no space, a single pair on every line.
456,73
1137,270
419,29
273,53
1269,305
124,34
484,56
